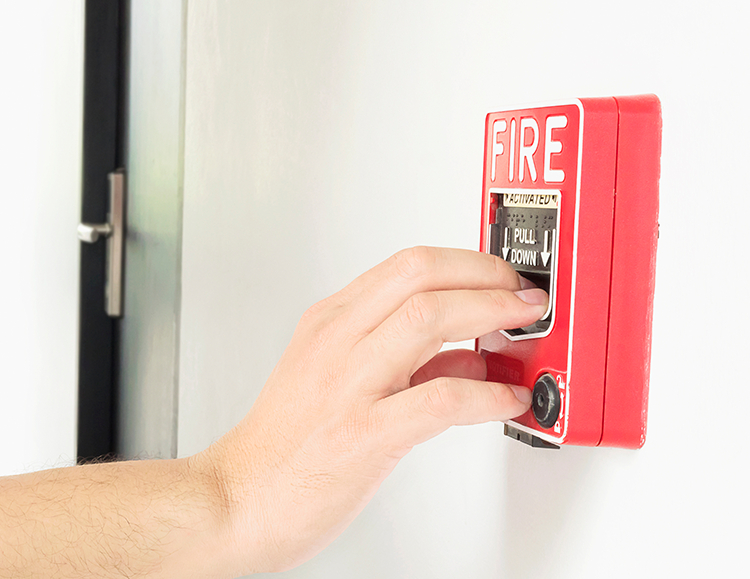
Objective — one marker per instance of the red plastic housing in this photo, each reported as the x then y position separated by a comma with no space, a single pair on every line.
599,158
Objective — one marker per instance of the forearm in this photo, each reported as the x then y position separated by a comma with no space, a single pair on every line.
160,518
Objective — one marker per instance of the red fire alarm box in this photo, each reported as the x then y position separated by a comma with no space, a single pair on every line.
570,200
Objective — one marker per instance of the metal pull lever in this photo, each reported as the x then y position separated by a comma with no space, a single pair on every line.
114,231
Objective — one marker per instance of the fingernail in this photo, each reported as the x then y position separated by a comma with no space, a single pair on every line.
534,297
525,283
522,393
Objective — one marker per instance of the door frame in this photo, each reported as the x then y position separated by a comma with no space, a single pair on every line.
105,31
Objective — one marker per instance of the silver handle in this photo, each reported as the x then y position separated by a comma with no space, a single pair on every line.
90,233
114,231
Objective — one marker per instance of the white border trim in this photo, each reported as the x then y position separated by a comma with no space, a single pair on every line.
577,103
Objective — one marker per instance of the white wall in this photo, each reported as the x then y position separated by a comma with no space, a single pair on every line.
323,136
41,92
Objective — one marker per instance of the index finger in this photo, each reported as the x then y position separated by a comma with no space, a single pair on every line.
379,292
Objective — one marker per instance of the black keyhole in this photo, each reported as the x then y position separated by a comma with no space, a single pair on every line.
546,401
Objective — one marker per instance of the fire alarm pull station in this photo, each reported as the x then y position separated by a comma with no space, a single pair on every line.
570,200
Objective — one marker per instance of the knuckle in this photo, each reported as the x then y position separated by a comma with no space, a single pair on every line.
505,271
502,398
318,315
498,300
442,400
415,262
313,313
317,330
421,310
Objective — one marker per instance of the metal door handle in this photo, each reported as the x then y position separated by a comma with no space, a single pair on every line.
114,231
89,232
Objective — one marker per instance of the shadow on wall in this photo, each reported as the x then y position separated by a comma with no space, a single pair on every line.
544,488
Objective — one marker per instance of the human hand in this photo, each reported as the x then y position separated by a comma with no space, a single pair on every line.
359,385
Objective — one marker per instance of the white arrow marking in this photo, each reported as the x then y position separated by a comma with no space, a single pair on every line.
545,254
506,249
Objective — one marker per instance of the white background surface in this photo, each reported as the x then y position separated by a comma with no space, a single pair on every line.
323,136
41,103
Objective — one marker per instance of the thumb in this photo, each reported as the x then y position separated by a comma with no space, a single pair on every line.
419,413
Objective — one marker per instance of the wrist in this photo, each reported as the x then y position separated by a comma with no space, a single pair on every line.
210,480
228,482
